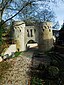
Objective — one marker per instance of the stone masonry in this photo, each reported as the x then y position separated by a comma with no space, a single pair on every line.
42,35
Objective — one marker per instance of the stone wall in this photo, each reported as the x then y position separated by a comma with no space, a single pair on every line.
9,50
23,34
19,33
41,34
46,36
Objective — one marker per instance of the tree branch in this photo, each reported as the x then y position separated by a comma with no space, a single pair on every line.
6,4
12,8
28,3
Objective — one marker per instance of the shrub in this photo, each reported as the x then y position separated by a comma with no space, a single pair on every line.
36,81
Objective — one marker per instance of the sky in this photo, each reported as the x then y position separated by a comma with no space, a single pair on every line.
60,14
59,11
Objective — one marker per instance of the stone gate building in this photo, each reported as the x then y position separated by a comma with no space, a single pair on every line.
42,34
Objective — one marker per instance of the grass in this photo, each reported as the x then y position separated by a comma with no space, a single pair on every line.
16,54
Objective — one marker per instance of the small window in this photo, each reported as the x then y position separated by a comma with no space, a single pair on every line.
18,27
15,27
20,30
31,32
48,26
28,33
34,30
18,49
44,26
43,29
49,30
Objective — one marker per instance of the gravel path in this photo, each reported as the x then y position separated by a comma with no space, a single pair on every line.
17,74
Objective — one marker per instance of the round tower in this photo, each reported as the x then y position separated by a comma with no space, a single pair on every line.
45,36
19,31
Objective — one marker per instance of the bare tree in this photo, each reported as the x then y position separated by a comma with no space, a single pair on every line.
11,8
23,7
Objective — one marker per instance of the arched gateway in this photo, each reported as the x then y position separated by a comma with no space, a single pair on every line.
23,34
31,44
42,35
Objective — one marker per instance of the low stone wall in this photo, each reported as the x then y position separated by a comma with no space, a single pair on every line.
10,50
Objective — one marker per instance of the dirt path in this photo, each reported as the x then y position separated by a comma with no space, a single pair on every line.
17,74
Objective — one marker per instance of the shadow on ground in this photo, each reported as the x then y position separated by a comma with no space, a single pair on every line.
47,68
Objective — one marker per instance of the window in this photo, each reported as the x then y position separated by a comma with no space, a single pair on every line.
48,26
44,26
28,33
43,29
31,33
49,30
18,49
20,30
34,30
15,27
